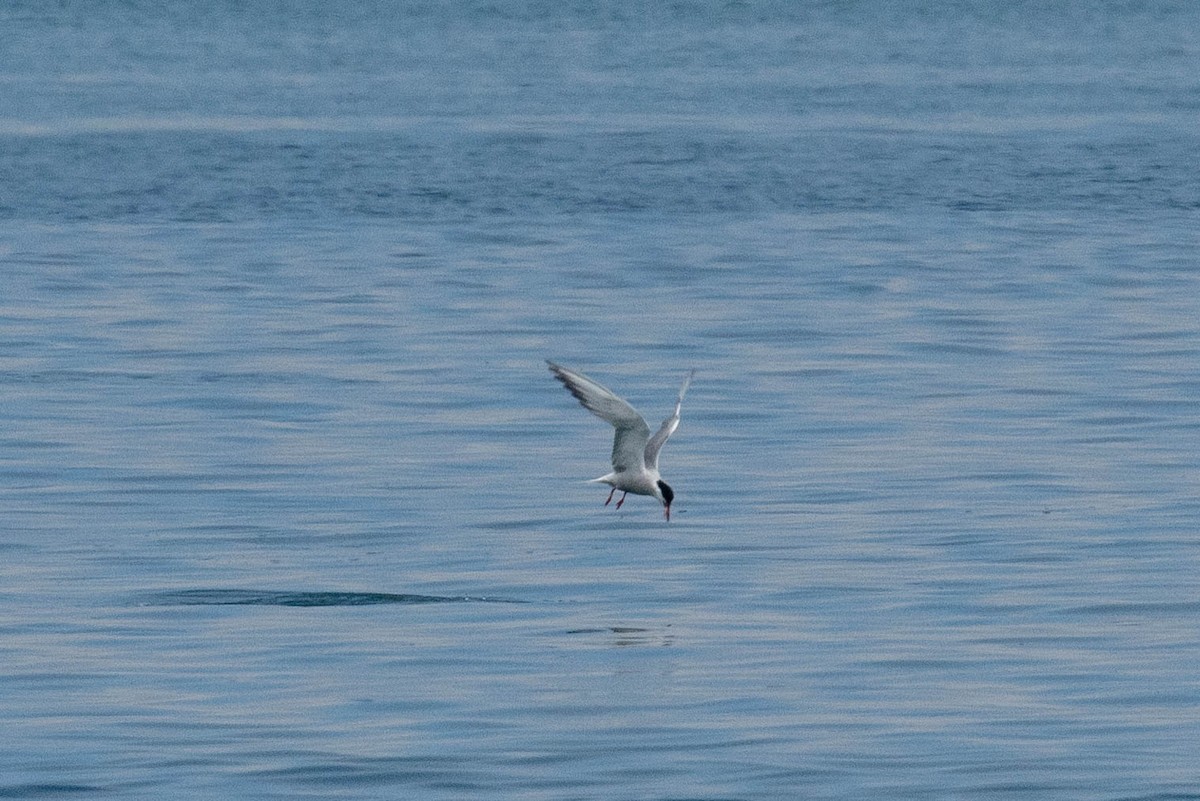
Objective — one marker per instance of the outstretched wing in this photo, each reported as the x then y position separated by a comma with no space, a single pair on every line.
629,443
668,427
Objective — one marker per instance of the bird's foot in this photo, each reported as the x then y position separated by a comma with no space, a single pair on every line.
623,494
610,494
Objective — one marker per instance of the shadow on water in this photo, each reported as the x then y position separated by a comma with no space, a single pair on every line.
628,635
224,597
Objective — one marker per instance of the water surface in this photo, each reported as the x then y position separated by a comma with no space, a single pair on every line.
293,509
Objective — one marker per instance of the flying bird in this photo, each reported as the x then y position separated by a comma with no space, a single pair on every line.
635,452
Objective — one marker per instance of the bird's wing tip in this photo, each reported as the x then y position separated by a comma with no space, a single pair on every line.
687,383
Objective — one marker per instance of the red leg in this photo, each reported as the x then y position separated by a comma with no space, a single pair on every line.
623,494
606,503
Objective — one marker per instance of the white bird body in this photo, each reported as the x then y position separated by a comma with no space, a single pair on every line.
635,452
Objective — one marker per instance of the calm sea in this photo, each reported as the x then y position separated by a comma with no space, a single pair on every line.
291,508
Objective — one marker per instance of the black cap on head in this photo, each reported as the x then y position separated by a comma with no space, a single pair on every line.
667,493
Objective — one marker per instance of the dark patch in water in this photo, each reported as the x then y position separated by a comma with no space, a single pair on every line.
45,790
284,598
608,630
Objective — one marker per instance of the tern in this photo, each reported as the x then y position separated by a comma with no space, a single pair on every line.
635,452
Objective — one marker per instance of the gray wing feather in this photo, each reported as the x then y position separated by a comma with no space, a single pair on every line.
667,429
632,433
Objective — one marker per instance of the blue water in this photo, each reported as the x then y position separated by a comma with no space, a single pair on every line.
291,508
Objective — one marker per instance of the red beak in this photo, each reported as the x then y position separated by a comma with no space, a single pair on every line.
667,507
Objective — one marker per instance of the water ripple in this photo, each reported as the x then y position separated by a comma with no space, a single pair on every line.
49,790
228,597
